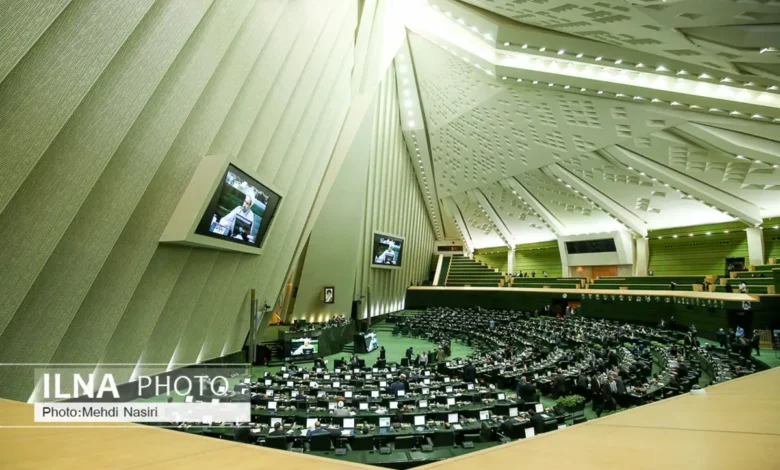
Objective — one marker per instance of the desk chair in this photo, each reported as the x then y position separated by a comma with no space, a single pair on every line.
405,442
320,443
363,442
277,442
242,434
443,438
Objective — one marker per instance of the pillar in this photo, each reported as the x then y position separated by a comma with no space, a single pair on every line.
755,241
510,261
642,256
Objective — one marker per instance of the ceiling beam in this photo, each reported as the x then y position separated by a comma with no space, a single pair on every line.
627,218
487,208
536,206
756,149
452,207
734,206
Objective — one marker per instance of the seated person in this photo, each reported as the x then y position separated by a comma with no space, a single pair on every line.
278,430
318,429
341,410
398,385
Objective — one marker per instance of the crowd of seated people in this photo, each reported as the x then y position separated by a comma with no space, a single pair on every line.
611,364
428,400
338,320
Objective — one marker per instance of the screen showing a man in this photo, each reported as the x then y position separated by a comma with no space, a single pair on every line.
303,347
240,210
388,250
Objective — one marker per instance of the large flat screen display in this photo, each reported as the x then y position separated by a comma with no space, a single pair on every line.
372,342
240,210
303,346
387,251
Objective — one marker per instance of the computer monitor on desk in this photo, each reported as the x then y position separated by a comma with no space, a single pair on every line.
419,420
349,423
275,420
422,404
348,394
310,423
393,405
384,421
362,406
374,393
452,418
539,408
513,412
501,396
450,401
484,415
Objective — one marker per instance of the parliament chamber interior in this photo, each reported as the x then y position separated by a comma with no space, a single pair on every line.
446,234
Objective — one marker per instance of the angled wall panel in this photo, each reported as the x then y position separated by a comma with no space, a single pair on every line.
106,109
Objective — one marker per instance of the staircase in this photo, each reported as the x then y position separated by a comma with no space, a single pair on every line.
468,272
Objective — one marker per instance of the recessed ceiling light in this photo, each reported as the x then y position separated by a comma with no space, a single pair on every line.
709,233
690,234
561,52
506,44
598,58
619,61
579,56
725,231
674,236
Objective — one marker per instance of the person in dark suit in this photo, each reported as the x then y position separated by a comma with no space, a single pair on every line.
398,385
469,373
278,430
318,429
621,388
526,391
722,338
608,390
537,420
559,385
582,384
755,342
595,390
382,353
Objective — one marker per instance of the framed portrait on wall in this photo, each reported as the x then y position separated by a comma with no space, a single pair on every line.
329,294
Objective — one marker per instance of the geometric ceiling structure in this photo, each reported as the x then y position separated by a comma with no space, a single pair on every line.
535,119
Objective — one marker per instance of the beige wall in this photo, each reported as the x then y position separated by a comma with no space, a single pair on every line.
376,190
331,257
106,108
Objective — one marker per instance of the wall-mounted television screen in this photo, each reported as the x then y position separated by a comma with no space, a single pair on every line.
387,251
372,342
304,346
240,210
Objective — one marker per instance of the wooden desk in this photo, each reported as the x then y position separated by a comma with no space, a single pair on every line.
736,425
